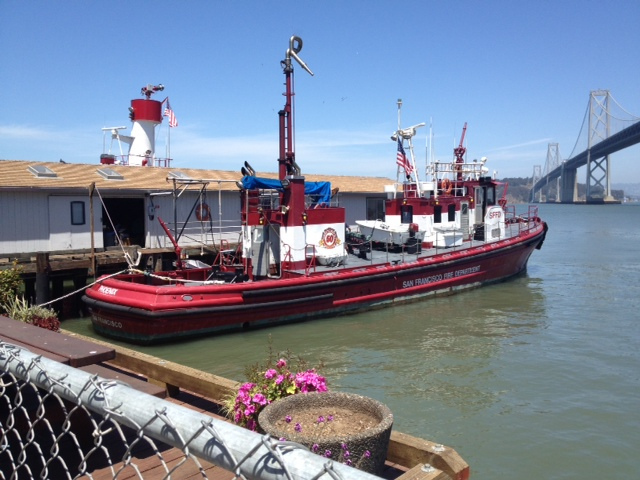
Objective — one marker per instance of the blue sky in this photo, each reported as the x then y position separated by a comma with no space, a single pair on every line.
518,72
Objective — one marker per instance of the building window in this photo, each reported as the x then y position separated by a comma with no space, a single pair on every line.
77,213
375,208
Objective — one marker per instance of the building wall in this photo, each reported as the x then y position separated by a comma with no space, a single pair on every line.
63,233
35,221
356,205
24,222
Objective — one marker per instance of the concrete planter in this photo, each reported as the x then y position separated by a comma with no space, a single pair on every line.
353,429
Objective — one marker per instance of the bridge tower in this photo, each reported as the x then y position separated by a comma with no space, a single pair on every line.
553,161
537,175
598,180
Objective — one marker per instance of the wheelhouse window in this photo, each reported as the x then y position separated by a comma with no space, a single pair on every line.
437,214
491,196
451,212
375,208
77,213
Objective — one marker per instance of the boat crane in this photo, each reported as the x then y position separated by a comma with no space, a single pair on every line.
459,152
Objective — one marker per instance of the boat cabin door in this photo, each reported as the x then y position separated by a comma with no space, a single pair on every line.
479,205
265,250
464,218
406,214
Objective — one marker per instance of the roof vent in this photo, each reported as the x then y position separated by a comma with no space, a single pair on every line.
40,171
110,174
179,175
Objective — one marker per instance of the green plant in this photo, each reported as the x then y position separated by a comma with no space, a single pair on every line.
19,309
10,282
268,381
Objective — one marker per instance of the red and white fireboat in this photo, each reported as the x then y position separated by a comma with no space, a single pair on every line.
299,261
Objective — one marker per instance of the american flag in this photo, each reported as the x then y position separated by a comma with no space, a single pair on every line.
402,160
173,121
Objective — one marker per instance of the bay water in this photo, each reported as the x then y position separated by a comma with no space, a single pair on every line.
534,378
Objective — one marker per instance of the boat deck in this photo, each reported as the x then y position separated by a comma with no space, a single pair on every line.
366,257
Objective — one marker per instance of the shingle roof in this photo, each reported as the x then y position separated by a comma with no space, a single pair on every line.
15,174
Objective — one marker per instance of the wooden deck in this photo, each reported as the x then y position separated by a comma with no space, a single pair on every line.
195,390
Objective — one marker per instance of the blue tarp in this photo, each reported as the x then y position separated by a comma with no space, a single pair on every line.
320,190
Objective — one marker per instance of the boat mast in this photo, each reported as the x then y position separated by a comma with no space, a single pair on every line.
399,170
400,135
287,160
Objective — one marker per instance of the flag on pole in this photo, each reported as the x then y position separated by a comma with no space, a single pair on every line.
173,121
402,160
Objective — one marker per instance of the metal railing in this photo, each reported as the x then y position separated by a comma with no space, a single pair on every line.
57,421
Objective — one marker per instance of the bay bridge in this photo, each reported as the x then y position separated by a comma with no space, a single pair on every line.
606,128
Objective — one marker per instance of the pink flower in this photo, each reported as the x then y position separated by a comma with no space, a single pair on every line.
281,363
260,399
310,381
269,374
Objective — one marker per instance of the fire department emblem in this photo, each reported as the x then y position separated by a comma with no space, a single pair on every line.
329,238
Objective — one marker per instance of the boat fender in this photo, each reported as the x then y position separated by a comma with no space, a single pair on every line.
203,214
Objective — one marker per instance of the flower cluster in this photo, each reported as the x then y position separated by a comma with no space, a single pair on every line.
275,382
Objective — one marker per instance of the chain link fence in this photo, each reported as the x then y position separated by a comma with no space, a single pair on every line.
60,422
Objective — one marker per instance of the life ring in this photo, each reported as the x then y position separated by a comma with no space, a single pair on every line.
203,213
446,185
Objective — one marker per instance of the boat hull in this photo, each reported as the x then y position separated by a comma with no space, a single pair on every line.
147,314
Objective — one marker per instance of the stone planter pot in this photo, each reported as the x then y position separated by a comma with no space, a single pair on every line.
345,427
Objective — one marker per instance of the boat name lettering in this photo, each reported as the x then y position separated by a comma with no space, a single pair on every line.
467,271
105,321
440,276
107,290
495,214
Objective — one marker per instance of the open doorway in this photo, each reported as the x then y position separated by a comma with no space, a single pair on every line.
127,217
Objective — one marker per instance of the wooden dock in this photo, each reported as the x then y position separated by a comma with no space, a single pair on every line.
408,457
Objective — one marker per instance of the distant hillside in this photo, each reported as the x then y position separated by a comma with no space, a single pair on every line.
631,190
520,188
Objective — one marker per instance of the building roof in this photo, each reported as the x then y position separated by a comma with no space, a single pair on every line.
26,175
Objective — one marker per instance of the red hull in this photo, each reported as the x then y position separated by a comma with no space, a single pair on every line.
146,314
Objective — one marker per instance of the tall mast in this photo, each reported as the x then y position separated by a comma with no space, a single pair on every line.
287,160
